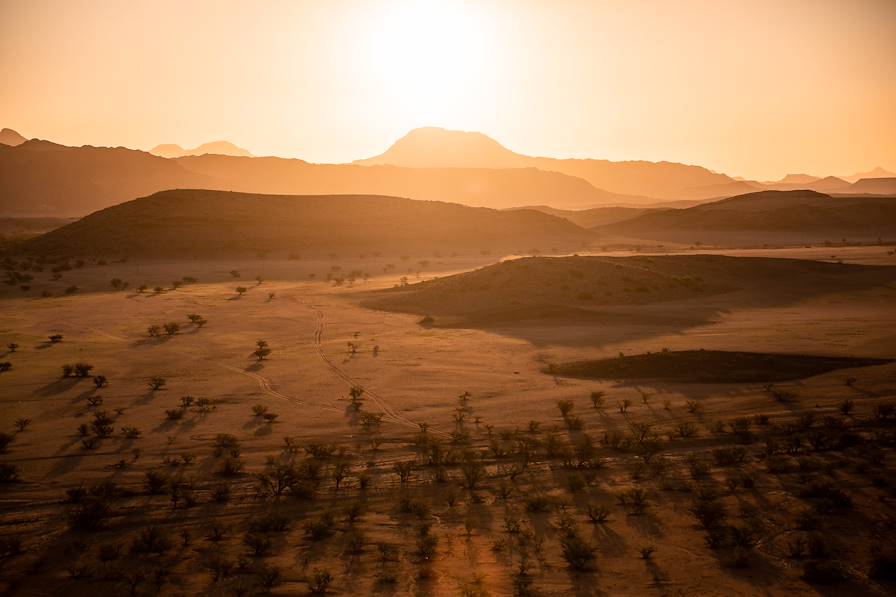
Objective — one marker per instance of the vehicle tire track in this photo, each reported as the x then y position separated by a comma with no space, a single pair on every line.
389,413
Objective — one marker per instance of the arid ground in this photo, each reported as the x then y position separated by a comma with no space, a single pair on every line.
459,467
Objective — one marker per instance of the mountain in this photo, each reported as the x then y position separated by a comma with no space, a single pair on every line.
877,172
43,178
480,187
11,138
194,223
435,147
172,150
40,178
589,218
798,179
875,186
828,184
767,216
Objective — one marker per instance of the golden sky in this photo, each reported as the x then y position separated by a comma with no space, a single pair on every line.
754,88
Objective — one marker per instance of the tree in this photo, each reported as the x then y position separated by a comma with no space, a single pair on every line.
172,328
261,350
5,366
56,338
100,381
22,423
12,346
241,290
154,331
156,383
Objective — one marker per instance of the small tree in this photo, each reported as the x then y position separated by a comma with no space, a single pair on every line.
172,328
156,383
100,381
597,400
12,346
5,366
261,350
154,331
56,338
22,423
241,290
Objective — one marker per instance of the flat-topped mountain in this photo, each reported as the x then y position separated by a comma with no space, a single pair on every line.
11,138
188,223
172,150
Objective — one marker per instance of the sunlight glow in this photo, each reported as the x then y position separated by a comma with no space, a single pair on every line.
430,55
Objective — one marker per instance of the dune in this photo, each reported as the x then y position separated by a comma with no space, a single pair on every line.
172,150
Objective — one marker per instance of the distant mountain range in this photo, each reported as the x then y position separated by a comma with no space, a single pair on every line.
40,178
196,223
172,150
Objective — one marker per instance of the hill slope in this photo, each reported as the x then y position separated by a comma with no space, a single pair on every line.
187,223
589,218
767,216
579,289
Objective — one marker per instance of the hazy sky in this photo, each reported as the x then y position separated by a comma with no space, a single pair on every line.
753,88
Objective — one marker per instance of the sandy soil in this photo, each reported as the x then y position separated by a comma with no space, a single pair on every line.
414,375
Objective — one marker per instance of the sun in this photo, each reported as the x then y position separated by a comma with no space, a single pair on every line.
431,56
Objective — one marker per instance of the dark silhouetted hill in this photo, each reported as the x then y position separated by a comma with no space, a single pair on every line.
188,223
767,216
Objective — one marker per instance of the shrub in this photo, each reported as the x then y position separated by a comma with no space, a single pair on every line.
5,366
578,552
259,544
156,383
319,581
22,423
154,482
172,328
598,514
89,516
635,499
83,369
174,414
100,381
8,473
154,331
55,338
320,528
151,540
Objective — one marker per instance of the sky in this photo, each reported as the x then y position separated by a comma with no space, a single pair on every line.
756,88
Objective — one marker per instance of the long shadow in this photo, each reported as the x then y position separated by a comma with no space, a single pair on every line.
57,387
